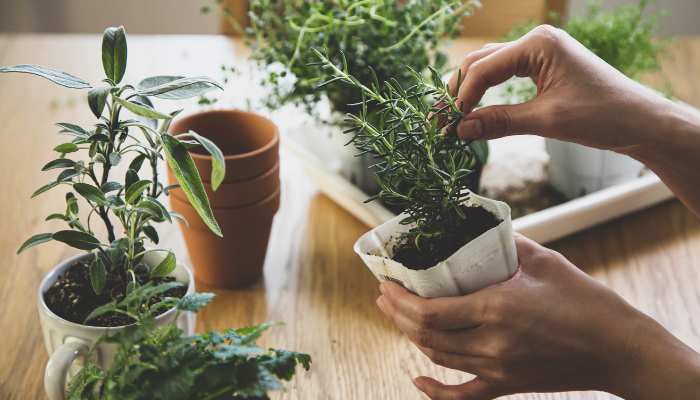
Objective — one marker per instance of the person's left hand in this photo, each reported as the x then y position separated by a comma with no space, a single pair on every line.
549,328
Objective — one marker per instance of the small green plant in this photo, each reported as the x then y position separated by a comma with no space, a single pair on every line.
127,205
385,35
422,168
622,37
155,362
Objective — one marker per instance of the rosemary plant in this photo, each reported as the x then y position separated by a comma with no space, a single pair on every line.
422,168
160,362
128,205
383,34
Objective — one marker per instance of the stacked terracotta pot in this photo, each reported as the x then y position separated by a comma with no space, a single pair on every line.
244,204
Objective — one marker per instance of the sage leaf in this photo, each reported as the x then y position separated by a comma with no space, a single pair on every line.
165,267
188,177
67,175
141,110
58,163
90,192
97,99
151,233
55,76
72,129
66,148
194,302
114,53
77,239
133,192
218,164
45,188
35,240
176,87
98,275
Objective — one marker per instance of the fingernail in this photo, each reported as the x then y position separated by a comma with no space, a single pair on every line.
470,129
382,288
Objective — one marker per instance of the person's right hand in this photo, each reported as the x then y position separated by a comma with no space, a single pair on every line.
581,99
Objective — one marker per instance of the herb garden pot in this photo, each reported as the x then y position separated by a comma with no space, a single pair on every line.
237,259
489,258
576,170
68,343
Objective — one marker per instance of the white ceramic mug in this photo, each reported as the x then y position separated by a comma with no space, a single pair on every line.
69,343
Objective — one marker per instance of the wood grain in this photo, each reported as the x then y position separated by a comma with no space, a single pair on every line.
313,281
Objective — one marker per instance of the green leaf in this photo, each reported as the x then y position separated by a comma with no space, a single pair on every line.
66,148
56,216
114,53
45,188
165,267
133,192
150,207
58,163
194,302
101,310
55,76
98,275
35,240
71,204
481,150
67,175
130,178
177,87
97,99
73,129
188,177
110,187
137,162
151,233
90,192
114,159
141,110
218,165
77,239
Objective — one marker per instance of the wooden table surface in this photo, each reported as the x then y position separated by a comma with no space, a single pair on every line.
313,280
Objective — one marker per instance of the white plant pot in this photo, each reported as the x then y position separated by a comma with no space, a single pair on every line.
576,170
69,343
488,259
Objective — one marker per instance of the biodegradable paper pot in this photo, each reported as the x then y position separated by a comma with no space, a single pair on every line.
237,194
577,170
250,142
237,259
68,343
488,259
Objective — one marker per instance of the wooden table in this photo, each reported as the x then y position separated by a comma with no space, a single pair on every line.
313,280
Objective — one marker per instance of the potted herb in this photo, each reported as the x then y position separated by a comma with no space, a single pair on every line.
623,37
163,362
128,205
386,35
448,241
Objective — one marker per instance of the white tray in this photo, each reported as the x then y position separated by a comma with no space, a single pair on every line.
542,226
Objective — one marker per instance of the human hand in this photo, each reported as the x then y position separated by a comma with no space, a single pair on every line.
549,328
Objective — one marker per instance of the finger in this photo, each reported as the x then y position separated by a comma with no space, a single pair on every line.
495,68
476,389
525,247
458,76
439,313
458,342
502,120
466,363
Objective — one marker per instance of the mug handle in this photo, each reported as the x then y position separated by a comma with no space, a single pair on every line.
57,368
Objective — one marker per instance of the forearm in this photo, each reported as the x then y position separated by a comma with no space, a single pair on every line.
672,150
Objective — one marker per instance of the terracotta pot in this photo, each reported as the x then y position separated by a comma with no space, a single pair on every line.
237,259
237,194
250,142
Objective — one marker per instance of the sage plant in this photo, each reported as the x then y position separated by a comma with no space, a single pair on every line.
423,168
128,206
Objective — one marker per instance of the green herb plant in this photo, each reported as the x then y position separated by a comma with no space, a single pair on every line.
128,205
422,168
162,363
385,35
623,37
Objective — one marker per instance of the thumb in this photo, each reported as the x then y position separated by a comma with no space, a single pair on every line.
502,120
476,389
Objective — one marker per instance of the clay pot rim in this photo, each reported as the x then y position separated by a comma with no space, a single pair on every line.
233,157
267,199
266,174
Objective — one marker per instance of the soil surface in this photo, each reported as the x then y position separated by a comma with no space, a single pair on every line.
479,220
71,297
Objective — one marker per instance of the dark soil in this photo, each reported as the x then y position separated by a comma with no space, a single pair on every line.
479,220
71,297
